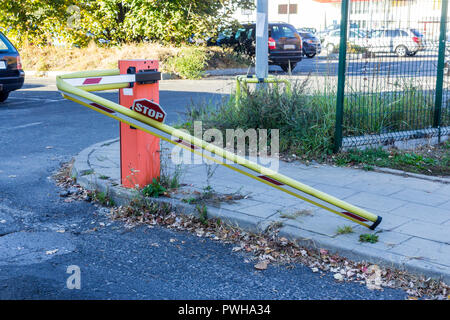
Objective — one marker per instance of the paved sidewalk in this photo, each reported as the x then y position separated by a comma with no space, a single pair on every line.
414,233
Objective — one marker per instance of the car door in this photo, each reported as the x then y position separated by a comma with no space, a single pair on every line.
378,41
392,37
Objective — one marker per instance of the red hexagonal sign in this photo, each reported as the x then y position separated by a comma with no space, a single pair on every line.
149,109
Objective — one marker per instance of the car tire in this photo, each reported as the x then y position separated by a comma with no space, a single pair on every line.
285,67
310,55
401,51
3,96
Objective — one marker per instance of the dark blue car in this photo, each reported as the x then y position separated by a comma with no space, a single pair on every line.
11,73
311,44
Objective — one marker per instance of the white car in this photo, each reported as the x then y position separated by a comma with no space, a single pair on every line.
402,42
332,39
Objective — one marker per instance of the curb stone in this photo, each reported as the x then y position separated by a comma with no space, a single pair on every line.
90,180
402,173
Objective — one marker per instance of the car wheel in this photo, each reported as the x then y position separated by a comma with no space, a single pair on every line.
286,66
311,55
3,96
401,51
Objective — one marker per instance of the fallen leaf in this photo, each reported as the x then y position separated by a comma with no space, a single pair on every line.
338,277
262,265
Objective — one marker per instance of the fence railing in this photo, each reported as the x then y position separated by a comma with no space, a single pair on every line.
393,79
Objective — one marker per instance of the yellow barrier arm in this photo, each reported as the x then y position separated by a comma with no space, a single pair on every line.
81,95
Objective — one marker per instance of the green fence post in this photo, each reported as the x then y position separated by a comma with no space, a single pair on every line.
440,68
341,76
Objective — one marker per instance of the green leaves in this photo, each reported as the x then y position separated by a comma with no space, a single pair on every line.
76,22
154,190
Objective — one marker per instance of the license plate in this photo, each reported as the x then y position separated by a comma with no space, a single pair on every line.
289,47
2,65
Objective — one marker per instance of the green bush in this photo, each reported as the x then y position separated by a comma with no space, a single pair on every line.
190,63
305,121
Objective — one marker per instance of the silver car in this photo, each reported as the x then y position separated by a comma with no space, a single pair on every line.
402,42
355,37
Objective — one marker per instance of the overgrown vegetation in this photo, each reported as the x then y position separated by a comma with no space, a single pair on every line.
306,116
185,61
154,190
102,198
430,160
367,237
344,230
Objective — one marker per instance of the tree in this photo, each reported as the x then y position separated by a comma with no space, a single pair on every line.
79,21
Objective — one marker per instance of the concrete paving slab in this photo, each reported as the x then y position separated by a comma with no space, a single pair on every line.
423,213
374,201
416,196
420,249
426,230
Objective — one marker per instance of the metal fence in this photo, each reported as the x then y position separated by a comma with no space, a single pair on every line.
392,81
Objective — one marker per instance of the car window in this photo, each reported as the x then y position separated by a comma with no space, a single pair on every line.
416,33
249,33
282,31
5,45
239,33
392,33
377,34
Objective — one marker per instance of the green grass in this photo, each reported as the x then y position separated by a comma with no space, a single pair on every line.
430,161
367,237
203,214
102,198
344,230
306,116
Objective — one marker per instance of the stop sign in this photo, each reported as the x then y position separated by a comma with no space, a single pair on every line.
149,109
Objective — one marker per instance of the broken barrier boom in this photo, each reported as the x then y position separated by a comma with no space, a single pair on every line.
78,86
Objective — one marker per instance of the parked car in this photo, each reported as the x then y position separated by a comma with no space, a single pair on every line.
311,44
11,73
285,44
402,42
355,37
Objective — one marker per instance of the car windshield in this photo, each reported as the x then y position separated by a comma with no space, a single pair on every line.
306,35
5,45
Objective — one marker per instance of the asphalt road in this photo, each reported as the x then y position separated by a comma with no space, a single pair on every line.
39,131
